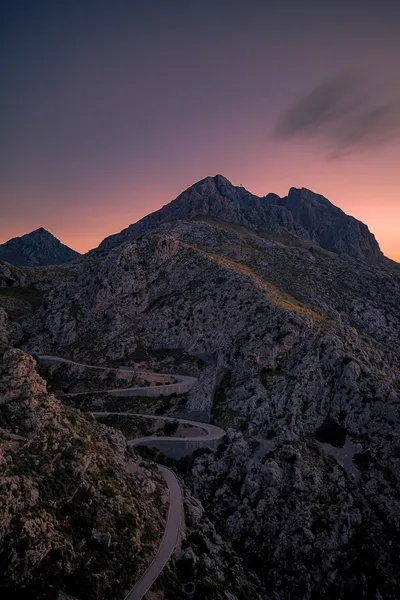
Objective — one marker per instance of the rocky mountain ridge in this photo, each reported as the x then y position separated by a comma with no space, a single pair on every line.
36,249
297,354
302,214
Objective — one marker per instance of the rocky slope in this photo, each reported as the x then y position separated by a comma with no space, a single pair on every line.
207,566
73,517
300,362
36,249
302,214
22,291
297,352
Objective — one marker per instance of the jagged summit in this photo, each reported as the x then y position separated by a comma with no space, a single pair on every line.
329,226
218,183
214,180
301,213
218,198
35,249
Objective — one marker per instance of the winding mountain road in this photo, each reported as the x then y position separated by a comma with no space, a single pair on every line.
179,385
212,433
169,539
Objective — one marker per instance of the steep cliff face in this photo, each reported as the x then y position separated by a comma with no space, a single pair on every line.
329,226
302,214
72,517
36,249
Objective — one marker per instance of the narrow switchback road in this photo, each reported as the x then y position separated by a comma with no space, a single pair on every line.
182,383
169,540
212,432
175,510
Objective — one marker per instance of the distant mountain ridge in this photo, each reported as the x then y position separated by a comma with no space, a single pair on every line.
36,249
301,213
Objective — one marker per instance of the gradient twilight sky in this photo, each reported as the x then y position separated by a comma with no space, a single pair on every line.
110,108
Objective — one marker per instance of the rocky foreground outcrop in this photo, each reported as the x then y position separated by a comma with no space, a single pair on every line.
73,518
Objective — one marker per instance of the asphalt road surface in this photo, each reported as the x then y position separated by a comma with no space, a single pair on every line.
169,540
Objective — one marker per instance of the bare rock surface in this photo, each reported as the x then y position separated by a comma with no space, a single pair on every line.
72,518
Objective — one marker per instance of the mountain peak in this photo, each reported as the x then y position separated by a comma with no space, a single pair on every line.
220,179
217,183
37,248
302,213
39,232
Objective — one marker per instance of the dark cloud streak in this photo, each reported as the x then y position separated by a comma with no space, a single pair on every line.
343,112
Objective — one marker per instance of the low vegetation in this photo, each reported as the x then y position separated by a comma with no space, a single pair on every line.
73,517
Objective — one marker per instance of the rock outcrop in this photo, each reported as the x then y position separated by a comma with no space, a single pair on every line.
207,565
72,517
36,249
329,227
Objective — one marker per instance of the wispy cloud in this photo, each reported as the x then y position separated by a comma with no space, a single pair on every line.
344,113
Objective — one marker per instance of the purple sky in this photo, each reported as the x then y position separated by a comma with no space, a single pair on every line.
109,109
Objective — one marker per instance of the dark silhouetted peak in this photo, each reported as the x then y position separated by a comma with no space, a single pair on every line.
217,180
271,197
216,197
220,179
219,185
297,195
41,232
301,213
329,226
35,249
223,184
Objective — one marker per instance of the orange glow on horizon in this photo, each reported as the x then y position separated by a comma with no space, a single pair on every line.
85,219
103,125
92,227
